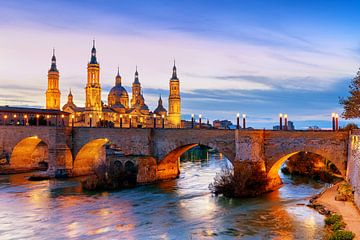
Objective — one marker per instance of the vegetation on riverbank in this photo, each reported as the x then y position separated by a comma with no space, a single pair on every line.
110,176
336,228
245,180
312,165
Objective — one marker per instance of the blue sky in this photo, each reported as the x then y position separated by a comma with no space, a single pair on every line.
255,57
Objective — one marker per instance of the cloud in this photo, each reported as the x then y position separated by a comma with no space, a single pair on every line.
226,62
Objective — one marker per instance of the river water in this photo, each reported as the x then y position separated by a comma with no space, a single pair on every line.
178,209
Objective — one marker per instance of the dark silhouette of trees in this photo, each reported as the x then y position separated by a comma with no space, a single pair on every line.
351,104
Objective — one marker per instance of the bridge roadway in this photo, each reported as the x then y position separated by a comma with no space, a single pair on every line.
156,151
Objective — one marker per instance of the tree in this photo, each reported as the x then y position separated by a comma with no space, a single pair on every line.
351,104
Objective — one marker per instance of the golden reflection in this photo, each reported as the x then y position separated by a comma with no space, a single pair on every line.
89,155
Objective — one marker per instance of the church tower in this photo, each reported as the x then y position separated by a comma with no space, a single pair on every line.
93,89
53,92
136,91
174,115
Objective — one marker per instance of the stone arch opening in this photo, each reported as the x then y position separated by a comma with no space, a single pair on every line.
273,173
89,156
169,166
29,154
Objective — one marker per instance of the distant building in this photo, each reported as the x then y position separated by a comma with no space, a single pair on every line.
32,116
276,127
291,126
222,124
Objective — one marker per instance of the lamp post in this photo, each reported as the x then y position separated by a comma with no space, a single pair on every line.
26,120
336,122
47,120
280,118
192,120
90,120
163,120
121,117
5,118
37,119
62,119
333,121
244,121
14,117
200,121
72,120
129,121
238,121
154,116
286,122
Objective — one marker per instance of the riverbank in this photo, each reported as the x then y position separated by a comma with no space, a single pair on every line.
348,210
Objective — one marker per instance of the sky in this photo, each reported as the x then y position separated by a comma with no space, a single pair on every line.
255,57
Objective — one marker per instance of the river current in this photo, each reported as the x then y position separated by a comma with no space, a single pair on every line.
182,208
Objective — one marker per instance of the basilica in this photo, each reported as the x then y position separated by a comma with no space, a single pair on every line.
120,110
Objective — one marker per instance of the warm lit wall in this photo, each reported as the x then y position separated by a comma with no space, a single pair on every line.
353,173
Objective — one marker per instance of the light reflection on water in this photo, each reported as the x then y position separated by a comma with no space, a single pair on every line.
178,209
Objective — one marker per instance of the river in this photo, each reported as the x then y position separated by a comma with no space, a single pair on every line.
178,209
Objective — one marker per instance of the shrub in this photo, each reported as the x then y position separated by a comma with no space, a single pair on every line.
342,235
246,180
332,219
340,225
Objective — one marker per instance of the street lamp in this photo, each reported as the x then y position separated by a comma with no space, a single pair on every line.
90,120
192,120
154,116
286,122
37,119
163,120
47,120
244,121
129,121
200,121
5,117
62,119
336,122
121,118
333,121
238,121
72,120
26,122
280,118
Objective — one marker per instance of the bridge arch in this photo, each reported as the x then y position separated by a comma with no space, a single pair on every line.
169,165
274,164
30,153
90,154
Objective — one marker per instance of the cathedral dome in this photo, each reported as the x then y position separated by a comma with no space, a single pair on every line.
118,94
160,110
118,91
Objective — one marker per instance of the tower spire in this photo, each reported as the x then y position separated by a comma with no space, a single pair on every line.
136,80
118,78
93,59
174,74
53,67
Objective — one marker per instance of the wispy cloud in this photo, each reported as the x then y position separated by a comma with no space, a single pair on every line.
229,58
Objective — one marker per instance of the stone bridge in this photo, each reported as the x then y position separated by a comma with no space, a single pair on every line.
156,151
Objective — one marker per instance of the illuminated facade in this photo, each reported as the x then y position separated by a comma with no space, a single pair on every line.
121,110
53,92
174,100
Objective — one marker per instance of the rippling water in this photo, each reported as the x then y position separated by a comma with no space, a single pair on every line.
178,209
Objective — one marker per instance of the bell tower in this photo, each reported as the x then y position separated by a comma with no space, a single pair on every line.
53,92
174,115
93,107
